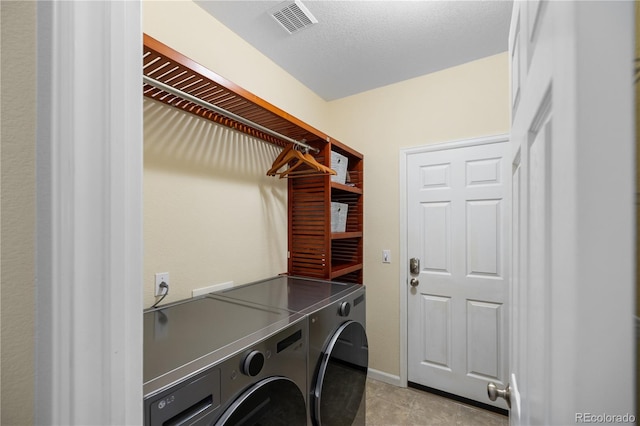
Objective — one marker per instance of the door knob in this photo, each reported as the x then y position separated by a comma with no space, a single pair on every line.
414,282
495,393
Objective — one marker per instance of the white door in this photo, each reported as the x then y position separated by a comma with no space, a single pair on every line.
571,340
458,210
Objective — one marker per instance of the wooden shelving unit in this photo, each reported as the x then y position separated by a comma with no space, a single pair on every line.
347,247
313,250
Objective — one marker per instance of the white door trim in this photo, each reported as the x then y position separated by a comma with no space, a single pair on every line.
404,259
89,214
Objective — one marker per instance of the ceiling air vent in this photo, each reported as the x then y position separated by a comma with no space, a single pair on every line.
293,16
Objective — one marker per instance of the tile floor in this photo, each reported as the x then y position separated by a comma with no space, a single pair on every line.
389,405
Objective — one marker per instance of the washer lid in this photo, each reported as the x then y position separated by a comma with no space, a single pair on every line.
202,331
292,293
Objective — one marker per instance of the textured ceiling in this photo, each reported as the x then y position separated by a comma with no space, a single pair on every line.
361,45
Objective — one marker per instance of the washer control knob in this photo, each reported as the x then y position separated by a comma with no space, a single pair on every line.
253,363
344,309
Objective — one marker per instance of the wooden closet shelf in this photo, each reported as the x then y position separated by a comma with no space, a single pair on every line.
345,235
344,269
162,63
346,188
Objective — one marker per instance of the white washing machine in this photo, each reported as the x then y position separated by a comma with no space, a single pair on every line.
338,349
209,361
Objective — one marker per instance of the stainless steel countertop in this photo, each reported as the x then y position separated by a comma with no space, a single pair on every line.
295,294
183,338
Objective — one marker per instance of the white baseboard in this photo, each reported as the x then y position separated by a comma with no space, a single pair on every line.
212,288
384,377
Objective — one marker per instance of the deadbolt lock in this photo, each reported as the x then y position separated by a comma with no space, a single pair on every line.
414,265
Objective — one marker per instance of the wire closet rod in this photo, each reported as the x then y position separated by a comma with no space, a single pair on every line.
228,114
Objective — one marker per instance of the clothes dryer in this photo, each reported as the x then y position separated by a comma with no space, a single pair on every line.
224,362
338,349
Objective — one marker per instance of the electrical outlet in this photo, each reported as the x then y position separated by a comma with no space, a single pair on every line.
162,277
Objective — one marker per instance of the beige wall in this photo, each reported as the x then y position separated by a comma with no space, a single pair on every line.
463,102
17,213
211,214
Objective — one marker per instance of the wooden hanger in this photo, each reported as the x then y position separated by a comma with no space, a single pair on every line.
289,155
308,160
282,159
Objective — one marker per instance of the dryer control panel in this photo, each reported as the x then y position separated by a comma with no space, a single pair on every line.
193,399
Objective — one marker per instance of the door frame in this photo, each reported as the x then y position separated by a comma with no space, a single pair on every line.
405,154
89,242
